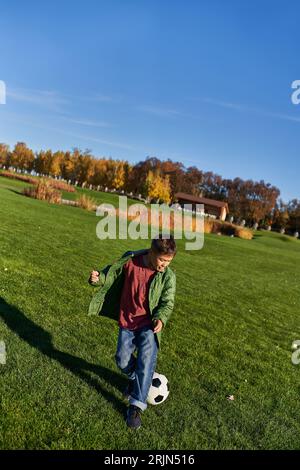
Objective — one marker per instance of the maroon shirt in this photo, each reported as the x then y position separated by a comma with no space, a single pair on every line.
134,305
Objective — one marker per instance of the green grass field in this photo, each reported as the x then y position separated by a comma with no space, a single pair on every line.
236,315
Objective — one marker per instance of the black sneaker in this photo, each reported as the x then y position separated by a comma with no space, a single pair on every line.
128,390
133,417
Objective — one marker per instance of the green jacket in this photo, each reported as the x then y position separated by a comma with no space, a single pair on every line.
106,301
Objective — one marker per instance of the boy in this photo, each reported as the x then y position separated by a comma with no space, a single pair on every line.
139,291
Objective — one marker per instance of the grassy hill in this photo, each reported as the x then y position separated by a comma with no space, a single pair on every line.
236,315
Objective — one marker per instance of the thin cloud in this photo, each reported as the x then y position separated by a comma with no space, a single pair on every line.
104,98
45,98
166,112
286,117
91,138
56,101
158,111
262,112
100,98
102,141
17,117
89,123
225,104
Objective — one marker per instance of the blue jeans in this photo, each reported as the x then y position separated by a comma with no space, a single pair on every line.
140,368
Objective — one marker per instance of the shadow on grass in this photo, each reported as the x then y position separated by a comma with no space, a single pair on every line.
16,191
40,339
256,236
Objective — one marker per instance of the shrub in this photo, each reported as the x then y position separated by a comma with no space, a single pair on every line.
61,185
16,176
86,202
217,226
227,229
56,184
44,192
208,225
244,233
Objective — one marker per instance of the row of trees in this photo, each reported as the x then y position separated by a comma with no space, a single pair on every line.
159,180
287,216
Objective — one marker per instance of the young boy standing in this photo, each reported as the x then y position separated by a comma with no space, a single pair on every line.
139,291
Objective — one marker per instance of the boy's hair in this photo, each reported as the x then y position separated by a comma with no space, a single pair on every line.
164,244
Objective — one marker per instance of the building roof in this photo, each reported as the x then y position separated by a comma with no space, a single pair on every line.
201,200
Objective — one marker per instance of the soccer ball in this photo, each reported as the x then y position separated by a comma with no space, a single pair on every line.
158,391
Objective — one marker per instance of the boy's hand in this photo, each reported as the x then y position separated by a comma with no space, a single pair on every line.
158,326
94,276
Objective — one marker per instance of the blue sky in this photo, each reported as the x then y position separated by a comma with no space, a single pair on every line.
207,83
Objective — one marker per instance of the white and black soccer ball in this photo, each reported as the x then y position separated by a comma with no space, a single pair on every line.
159,390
